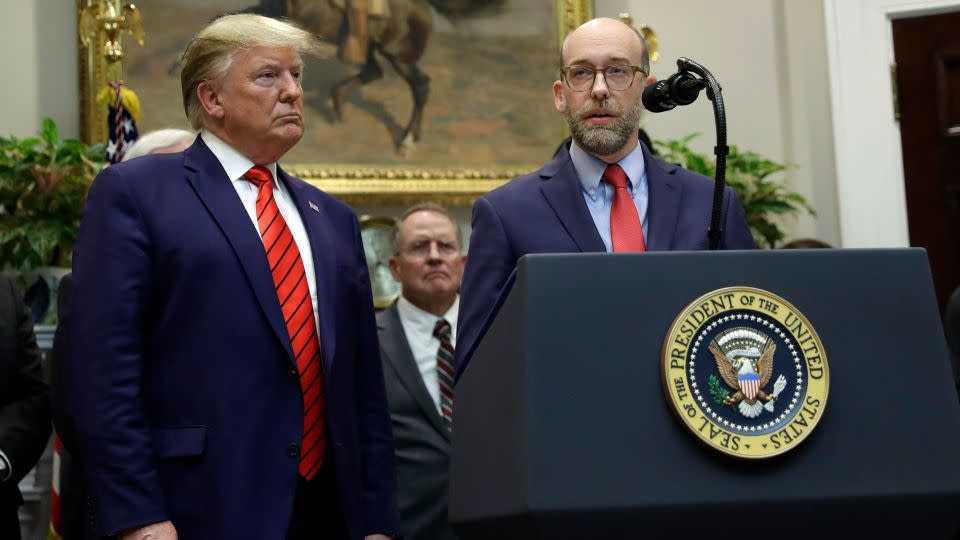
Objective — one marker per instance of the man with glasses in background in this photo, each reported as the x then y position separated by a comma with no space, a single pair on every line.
605,192
417,335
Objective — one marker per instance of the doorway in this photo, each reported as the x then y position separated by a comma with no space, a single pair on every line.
927,57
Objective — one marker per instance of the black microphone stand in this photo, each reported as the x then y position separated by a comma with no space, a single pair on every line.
714,94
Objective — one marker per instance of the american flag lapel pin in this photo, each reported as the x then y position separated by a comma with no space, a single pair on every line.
313,206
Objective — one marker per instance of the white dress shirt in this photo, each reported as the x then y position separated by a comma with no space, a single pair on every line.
418,326
236,165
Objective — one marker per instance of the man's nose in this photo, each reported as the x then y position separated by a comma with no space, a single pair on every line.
290,88
599,89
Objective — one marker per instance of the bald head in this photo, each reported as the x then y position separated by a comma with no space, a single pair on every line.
609,34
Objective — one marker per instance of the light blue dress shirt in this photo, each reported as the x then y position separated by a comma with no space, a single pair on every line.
599,194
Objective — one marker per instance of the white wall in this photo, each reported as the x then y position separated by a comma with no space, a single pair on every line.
870,178
769,56
18,32
39,60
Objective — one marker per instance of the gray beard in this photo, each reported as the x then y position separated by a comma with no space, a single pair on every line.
603,140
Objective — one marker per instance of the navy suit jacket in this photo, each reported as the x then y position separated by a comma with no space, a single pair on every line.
182,382
544,212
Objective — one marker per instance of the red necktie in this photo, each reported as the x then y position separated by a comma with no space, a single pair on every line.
297,307
626,233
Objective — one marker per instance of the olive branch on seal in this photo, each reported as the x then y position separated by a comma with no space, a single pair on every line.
717,392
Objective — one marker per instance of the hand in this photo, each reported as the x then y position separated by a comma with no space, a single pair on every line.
155,531
376,537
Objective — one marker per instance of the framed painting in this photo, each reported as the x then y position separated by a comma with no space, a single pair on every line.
465,108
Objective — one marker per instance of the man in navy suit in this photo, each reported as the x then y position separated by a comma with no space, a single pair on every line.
605,192
224,376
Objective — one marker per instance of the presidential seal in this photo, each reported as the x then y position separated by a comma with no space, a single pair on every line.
746,372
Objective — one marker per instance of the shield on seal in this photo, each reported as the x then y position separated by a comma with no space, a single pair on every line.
749,384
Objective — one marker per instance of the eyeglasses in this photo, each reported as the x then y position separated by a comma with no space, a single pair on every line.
424,248
618,78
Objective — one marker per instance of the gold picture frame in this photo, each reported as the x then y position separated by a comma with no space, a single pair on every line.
368,185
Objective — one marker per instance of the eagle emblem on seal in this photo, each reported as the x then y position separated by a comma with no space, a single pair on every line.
744,358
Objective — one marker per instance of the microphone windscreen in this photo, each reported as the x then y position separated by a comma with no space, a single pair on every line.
656,97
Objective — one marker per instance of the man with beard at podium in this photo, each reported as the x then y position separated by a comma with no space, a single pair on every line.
605,192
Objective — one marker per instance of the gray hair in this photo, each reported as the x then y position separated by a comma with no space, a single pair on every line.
160,138
424,207
211,52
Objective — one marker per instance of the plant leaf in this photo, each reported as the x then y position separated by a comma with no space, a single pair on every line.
751,176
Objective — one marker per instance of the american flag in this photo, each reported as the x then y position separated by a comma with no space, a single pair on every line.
122,117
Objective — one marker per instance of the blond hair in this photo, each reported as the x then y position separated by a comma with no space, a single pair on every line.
154,140
210,53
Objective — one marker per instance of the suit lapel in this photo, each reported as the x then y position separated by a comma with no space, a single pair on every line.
561,188
663,206
397,351
218,195
318,230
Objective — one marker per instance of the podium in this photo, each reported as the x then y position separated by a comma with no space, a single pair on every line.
562,429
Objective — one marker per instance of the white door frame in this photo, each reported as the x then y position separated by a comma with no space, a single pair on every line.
871,197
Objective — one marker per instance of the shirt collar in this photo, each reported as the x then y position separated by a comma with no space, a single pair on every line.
234,163
423,322
590,168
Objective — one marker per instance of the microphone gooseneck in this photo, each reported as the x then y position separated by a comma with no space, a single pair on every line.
683,88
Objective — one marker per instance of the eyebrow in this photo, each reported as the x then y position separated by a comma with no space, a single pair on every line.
615,61
276,65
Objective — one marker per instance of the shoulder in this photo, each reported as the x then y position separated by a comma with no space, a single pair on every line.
386,317
140,173
148,166
330,205
524,189
692,183
515,189
659,168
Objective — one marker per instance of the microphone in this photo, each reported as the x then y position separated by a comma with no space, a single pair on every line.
681,88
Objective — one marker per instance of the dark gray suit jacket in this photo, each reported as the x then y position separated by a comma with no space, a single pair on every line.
421,440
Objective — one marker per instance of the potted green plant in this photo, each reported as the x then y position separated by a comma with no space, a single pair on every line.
43,185
749,174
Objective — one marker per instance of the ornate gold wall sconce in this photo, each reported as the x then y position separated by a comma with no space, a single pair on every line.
102,24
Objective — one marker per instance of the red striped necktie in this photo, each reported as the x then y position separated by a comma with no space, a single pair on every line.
626,233
293,293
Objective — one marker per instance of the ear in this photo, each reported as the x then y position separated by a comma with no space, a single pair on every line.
559,100
208,94
394,268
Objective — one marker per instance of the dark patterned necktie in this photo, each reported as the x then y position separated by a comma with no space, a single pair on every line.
293,293
626,233
445,370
